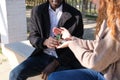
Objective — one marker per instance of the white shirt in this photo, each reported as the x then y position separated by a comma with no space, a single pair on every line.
54,19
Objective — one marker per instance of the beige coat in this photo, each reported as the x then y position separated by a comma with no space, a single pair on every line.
102,54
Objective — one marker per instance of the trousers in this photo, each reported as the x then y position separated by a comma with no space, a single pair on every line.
77,74
34,65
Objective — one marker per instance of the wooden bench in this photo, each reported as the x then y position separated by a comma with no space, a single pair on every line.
18,52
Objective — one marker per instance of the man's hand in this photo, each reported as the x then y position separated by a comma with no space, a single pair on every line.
51,42
49,68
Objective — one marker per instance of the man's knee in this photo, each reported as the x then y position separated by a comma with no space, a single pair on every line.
13,75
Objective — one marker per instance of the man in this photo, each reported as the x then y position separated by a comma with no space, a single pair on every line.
46,58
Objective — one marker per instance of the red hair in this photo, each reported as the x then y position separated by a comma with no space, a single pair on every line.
109,10
101,14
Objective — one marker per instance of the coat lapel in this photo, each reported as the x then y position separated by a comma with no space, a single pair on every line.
65,16
46,20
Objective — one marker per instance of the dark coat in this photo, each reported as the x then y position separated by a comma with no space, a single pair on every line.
40,29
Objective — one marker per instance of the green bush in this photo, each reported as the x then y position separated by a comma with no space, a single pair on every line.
91,17
29,7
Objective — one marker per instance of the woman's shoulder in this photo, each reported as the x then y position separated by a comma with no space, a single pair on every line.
118,24
118,28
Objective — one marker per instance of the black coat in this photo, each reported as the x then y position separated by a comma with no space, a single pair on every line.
40,29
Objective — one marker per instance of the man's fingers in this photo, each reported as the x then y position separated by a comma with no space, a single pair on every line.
44,75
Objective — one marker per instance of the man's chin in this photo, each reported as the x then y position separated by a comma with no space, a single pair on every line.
55,5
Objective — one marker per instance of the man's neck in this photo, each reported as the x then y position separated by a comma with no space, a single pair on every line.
54,9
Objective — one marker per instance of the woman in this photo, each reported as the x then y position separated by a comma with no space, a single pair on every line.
103,53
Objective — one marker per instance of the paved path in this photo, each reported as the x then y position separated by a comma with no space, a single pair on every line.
88,34
4,68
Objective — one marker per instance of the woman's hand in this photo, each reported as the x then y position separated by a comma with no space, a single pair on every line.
65,37
64,44
65,33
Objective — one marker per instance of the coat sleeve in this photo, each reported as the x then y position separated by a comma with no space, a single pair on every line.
97,54
35,36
